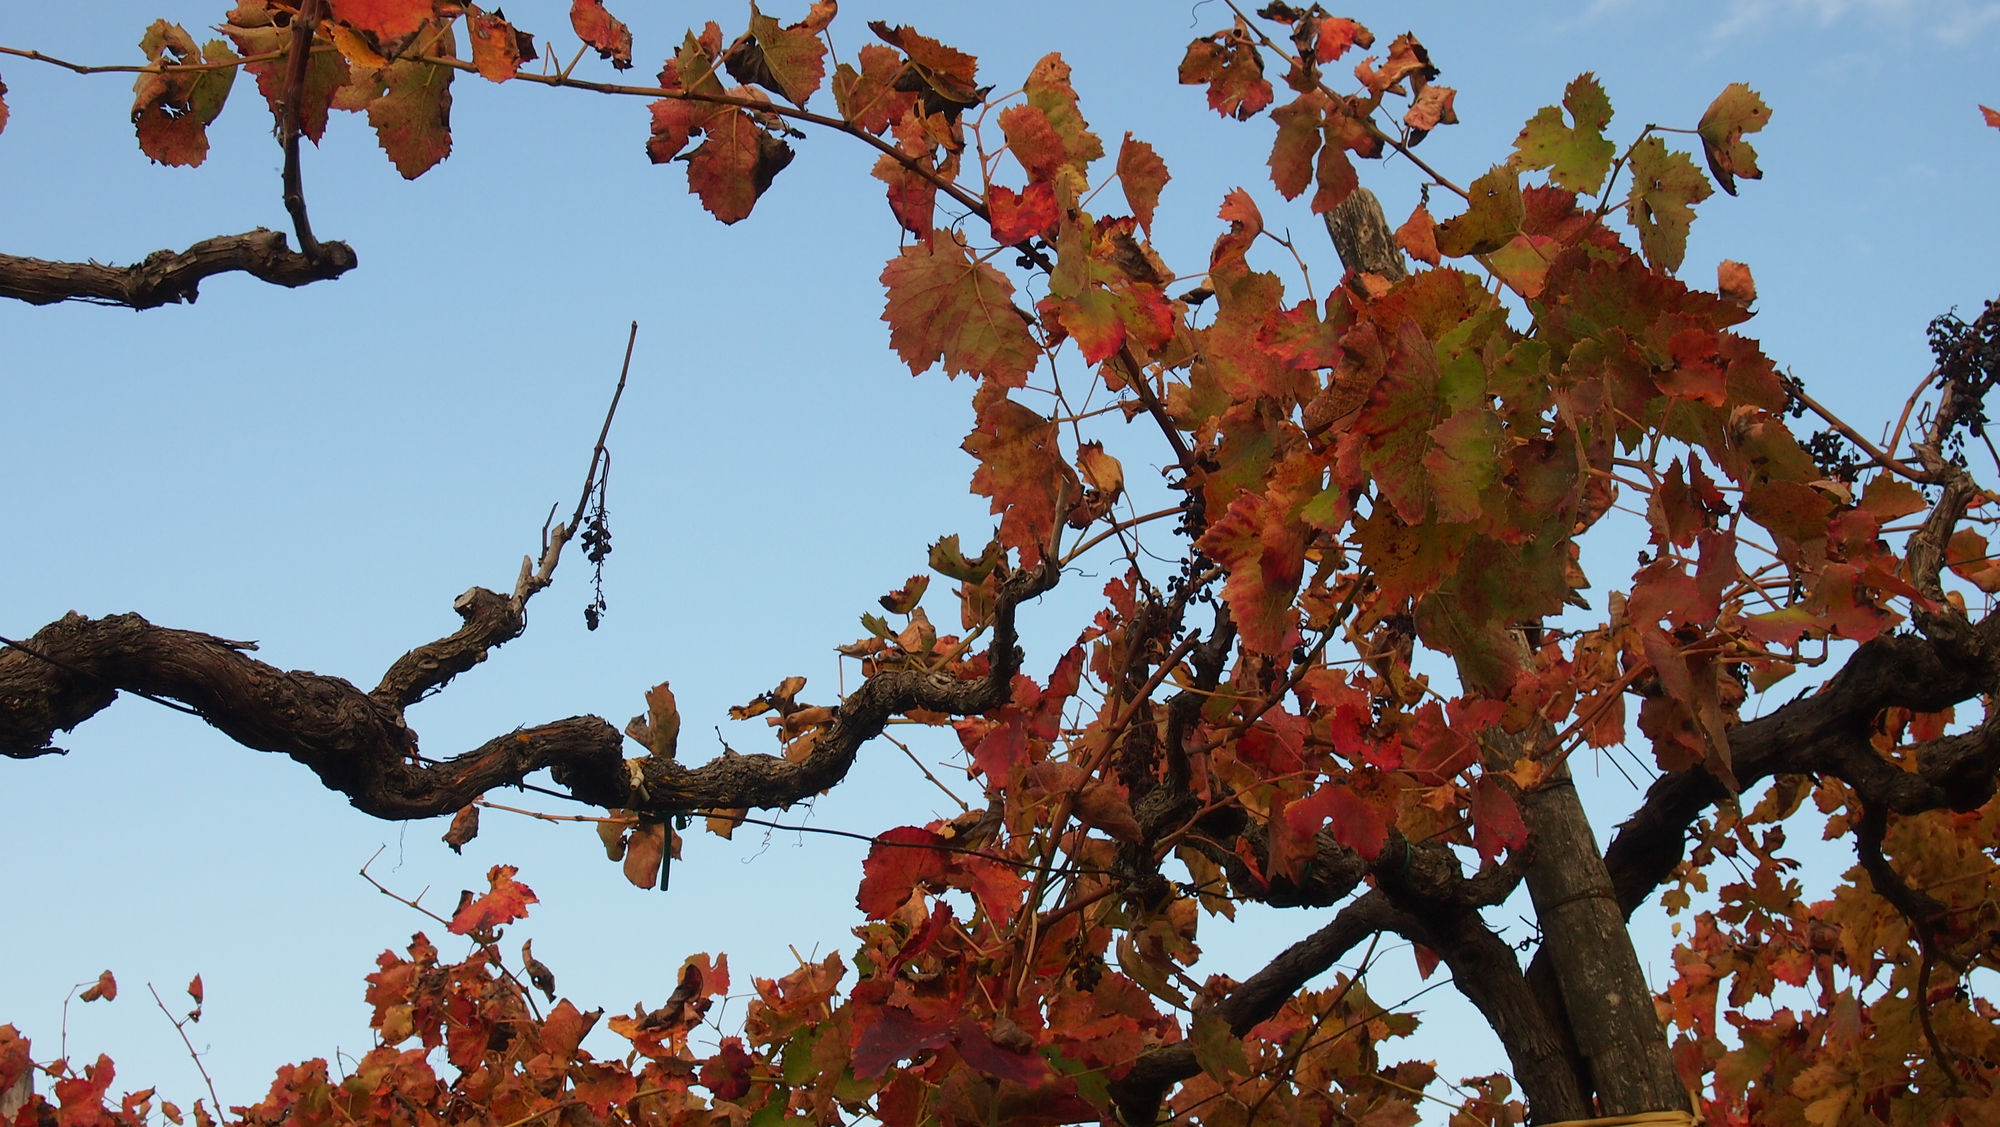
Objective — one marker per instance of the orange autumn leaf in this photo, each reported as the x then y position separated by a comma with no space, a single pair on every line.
1141,175
1021,468
498,48
1418,236
1733,281
504,902
388,19
603,31
945,307
106,987
1263,547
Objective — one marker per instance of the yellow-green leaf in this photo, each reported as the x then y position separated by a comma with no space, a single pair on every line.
1577,155
1736,111
1492,220
1665,187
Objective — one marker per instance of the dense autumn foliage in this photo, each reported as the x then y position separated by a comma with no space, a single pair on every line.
1408,463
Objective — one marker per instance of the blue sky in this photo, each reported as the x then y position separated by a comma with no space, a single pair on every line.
325,469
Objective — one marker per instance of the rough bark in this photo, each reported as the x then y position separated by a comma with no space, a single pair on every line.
1485,970
1827,734
358,745
16,1097
1363,239
491,620
1604,991
165,277
1441,910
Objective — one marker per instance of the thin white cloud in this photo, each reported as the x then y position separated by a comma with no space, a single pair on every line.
1942,21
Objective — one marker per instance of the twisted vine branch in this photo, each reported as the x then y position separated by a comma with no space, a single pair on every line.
167,277
358,745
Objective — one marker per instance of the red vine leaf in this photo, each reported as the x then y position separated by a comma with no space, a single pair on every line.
82,1097
387,19
504,902
1229,63
1021,467
1141,174
15,1059
254,31
1337,179
106,987
981,1052
868,97
172,109
899,862
1356,823
1297,142
735,163
602,30
1418,236
912,194
1496,819
498,48
945,307
1437,751
897,1035
727,1073
1018,218
1263,546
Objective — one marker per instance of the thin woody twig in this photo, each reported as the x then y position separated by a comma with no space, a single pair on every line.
1136,379
180,1027
927,771
147,68
1882,457
379,887
744,820
535,576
